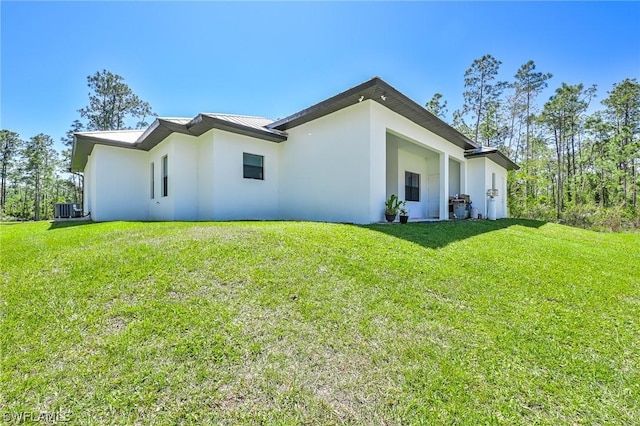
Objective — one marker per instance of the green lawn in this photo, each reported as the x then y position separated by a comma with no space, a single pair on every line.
506,322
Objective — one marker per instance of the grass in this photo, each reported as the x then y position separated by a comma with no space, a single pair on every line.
506,322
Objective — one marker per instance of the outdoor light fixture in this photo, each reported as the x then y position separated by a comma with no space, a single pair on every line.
383,97
361,98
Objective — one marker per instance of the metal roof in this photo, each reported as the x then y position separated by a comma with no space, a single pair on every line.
164,126
494,154
375,89
241,124
126,136
81,151
243,120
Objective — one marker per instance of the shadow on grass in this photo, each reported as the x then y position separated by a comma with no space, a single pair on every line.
69,224
439,234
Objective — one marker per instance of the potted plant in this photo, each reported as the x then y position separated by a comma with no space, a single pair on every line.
391,207
404,213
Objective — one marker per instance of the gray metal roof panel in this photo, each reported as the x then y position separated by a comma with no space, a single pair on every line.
205,122
244,120
494,154
125,136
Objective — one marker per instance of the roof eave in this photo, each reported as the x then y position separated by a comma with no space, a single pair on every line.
496,156
83,147
333,104
383,93
203,123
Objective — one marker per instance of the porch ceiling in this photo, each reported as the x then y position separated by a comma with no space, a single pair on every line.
412,147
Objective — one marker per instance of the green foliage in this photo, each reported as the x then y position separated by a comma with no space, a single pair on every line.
475,322
33,176
569,161
392,205
40,163
481,95
437,107
591,216
527,86
10,145
76,126
111,102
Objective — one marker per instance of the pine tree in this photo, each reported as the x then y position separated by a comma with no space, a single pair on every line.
40,163
437,107
112,102
10,144
480,94
623,111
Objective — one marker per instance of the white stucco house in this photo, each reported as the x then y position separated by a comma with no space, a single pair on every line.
336,161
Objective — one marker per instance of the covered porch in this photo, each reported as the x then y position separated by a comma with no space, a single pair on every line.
422,176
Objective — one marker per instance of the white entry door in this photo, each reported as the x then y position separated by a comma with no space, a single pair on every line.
433,196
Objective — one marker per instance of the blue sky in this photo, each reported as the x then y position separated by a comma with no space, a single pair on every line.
273,59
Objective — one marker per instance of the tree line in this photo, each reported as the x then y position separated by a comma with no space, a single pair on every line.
576,166
34,175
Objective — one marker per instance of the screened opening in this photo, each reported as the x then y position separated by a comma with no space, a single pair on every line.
253,166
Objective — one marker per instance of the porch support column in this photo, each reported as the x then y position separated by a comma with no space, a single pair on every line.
444,186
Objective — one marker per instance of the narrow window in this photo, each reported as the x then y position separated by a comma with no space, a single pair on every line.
165,176
152,180
411,186
253,166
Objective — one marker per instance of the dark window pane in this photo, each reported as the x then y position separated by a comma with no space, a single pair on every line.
253,166
252,160
412,186
153,181
252,172
165,174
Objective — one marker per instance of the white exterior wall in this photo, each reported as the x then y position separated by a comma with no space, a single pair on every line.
119,188
477,184
183,175
455,178
480,177
410,162
182,200
433,187
337,168
393,182
89,186
235,197
161,208
383,119
325,168
205,176
501,186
